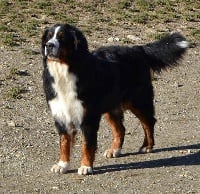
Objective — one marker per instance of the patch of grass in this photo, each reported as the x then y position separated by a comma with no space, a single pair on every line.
66,19
157,36
31,27
23,3
141,18
13,73
192,17
91,15
28,51
15,93
10,40
43,4
145,5
127,41
124,4
4,6
4,28
195,34
167,4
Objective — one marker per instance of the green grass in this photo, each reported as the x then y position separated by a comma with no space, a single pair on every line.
195,33
123,4
9,39
43,4
15,92
19,26
4,6
4,28
158,35
13,72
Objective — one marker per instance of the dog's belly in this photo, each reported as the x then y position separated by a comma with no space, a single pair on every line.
66,108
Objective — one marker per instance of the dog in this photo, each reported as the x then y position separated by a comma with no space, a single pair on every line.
81,86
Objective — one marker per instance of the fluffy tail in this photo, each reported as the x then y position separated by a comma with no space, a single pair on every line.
166,52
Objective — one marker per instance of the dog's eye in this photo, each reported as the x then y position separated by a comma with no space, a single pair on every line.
60,35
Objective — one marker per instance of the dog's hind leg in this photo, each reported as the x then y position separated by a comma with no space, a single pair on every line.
146,117
115,119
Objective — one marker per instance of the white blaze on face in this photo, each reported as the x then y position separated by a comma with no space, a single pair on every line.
54,41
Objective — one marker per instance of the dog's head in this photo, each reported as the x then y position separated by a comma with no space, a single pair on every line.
62,42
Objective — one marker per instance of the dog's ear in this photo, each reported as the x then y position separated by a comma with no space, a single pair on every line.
44,37
43,42
76,41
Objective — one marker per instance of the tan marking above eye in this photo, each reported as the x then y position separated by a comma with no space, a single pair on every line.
60,34
50,34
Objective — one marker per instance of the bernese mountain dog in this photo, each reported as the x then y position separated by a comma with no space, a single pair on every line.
81,85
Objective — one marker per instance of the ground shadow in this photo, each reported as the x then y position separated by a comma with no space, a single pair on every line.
186,160
186,147
168,149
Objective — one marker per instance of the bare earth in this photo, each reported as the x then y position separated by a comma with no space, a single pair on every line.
29,144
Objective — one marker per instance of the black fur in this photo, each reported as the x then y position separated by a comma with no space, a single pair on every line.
110,77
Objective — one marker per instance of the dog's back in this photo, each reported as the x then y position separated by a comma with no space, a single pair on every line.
158,55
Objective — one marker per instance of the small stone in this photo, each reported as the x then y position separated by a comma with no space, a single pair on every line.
11,124
55,188
111,39
189,151
132,37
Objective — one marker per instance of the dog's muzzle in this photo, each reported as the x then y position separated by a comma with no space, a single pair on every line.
51,49
50,46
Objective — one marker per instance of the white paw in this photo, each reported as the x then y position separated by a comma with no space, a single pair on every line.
61,167
145,150
84,170
112,153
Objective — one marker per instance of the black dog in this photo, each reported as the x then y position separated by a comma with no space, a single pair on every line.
80,86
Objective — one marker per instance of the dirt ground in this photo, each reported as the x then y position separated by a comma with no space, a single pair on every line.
29,144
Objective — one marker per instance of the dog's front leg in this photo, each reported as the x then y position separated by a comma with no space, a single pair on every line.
66,143
89,146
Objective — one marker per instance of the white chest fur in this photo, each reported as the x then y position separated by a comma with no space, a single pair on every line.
65,107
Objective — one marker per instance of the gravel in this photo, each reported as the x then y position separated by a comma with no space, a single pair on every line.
29,144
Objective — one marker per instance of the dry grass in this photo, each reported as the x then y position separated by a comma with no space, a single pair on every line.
24,19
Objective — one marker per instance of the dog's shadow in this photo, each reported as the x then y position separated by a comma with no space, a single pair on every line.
186,160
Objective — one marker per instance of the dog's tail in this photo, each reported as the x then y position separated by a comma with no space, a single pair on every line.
166,52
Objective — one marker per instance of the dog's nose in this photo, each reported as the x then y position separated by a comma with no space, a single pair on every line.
50,45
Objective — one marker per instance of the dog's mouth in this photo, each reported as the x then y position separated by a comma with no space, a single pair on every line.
52,56
57,55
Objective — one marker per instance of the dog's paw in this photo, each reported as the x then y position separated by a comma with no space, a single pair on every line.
61,167
112,153
144,150
84,170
